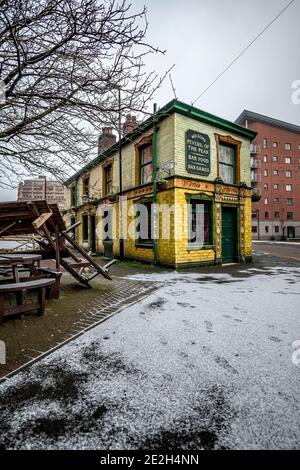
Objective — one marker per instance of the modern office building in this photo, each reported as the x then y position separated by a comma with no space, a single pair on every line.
42,188
183,198
275,176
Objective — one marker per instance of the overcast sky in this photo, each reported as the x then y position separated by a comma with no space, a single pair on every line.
201,37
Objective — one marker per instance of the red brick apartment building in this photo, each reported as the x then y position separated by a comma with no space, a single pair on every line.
275,174
41,188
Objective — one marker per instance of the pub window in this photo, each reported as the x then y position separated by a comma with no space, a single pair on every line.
144,226
73,196
254,228
86,186
108,178
85,227
267,229
227,164
276,228
200,228
146,164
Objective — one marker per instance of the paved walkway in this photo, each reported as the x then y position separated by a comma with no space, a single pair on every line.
77,309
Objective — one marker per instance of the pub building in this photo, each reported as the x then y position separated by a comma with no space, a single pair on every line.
181,158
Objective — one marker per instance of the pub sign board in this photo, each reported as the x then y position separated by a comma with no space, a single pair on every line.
197,153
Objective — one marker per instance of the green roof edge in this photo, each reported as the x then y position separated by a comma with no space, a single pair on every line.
172,107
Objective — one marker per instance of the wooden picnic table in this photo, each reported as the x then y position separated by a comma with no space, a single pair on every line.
16,260
19,286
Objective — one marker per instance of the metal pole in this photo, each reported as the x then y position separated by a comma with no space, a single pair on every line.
155,182
258,231
45,177
120,180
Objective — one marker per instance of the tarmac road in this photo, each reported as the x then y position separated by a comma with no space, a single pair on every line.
283,250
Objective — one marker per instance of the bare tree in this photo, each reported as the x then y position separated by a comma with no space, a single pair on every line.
62,62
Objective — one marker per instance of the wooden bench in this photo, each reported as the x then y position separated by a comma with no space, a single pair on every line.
53,291
20,288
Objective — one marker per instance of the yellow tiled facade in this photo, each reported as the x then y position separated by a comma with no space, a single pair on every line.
176,188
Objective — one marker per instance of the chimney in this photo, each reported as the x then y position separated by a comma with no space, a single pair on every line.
106,139
130,124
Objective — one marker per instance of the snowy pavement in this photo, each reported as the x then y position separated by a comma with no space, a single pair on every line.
205,362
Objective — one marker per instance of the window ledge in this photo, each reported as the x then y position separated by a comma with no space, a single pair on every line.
144,245
200,247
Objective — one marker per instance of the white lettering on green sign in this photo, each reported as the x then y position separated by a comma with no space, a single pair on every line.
197,153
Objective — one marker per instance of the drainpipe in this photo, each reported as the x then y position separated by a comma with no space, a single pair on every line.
120,180
155,222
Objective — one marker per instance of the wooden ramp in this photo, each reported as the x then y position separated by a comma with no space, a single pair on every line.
45,222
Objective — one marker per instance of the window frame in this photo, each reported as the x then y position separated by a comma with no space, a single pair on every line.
85,227
233,143
142,166
208,203
144,142
86,184
106,181
149,242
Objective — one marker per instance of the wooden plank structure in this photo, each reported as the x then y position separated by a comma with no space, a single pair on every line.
45,221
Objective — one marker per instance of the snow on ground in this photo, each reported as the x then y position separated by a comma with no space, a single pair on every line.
204,362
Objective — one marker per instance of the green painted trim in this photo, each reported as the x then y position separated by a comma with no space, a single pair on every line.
172,107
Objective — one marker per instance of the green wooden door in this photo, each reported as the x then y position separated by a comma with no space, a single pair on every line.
228,234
